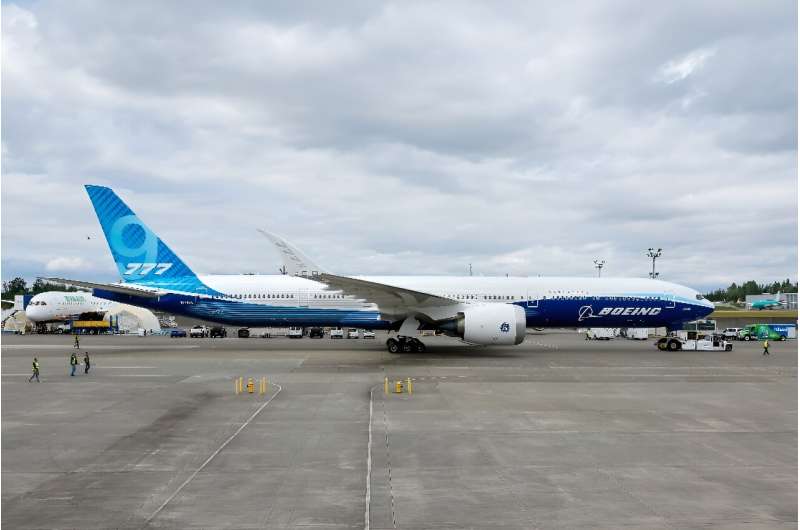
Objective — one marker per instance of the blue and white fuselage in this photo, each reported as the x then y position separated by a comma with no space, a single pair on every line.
278,300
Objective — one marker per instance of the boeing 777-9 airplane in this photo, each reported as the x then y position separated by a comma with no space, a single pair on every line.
479,310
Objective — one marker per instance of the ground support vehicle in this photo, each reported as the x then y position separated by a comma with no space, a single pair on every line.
637,333
243,333
702,343
352,333
600,333
336,333
367,334
316,333
295,333
176,333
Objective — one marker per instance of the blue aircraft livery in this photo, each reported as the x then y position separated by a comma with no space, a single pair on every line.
479,310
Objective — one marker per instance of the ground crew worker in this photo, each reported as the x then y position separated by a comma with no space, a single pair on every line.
35,370
86,363
73,362
77,342
766,347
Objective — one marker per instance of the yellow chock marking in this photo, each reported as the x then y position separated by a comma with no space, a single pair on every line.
236,386
241,387
408,386
385,385
263,386
250,386
398,387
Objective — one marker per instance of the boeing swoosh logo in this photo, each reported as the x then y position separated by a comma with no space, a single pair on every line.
585,313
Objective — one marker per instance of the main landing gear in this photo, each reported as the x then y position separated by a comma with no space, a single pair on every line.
405,345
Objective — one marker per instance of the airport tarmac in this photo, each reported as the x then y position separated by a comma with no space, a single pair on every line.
555,433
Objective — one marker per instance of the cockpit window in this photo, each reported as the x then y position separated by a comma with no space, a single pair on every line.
699,296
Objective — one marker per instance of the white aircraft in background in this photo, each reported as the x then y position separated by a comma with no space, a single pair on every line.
479,310
54,306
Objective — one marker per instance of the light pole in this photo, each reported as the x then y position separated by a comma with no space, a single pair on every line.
598,264
653,254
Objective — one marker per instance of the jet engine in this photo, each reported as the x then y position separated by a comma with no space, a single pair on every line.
502,324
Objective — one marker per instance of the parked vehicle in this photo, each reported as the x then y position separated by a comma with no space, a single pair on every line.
198,332
367,334
218,332
731,333
295,333
600,333
336,333
636,333
316,333
352,333
175,333
243,333
768,331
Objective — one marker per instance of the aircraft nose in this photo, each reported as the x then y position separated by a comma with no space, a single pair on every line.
32,312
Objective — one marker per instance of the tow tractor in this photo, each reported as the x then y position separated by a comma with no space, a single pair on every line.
692,341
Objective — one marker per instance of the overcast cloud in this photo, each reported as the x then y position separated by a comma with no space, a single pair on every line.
407,138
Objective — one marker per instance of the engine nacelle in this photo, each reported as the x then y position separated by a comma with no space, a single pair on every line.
491,324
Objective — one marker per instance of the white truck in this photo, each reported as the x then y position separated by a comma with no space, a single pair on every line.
731,333
336,333
295,333
199,332
637,333
601,333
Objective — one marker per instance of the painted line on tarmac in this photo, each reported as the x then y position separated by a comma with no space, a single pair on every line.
368,495
210,458
143,375
129,367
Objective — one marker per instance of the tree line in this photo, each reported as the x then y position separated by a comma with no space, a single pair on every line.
737,293
18,285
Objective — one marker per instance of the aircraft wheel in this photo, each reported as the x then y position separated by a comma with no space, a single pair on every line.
393,346
420,347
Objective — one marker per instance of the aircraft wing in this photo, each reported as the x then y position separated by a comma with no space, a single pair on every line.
294,261
384,295
388,298
113,287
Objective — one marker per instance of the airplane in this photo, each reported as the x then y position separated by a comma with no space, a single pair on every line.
767,304
477,310
54,306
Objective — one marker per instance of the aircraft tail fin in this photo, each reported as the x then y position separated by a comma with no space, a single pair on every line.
141,256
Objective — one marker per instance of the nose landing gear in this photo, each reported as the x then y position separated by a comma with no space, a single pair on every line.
405,345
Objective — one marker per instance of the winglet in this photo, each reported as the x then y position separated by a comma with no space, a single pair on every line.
295,262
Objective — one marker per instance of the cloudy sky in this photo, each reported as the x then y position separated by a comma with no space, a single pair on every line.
407,138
